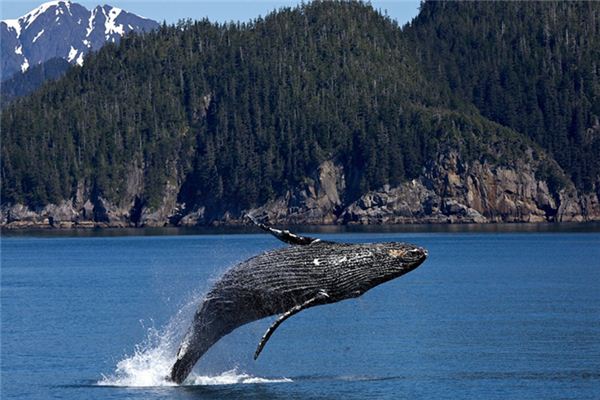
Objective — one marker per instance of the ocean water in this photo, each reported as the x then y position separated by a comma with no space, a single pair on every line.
490,315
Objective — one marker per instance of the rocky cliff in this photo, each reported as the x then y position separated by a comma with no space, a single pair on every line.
449,190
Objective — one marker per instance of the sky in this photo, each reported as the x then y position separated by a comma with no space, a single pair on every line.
402,11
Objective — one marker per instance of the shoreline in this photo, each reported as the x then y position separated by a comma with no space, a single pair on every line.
492,227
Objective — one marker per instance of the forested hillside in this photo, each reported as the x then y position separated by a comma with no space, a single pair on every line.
532,66
300,115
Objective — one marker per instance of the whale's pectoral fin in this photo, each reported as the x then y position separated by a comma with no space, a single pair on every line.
284,236
320,297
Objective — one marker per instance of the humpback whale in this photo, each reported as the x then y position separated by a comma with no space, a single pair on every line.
285,281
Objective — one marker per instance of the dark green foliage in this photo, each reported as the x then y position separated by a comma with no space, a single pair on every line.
239,112
236,114
532,66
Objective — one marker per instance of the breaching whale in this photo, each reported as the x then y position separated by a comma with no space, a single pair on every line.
285,281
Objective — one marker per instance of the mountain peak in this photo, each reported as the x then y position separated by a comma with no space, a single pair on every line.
63,29
23,22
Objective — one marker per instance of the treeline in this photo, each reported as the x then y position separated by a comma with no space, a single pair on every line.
235,114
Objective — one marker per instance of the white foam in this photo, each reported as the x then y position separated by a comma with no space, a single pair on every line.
151,363
232,377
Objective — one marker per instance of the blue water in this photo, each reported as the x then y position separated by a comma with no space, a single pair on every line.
489,315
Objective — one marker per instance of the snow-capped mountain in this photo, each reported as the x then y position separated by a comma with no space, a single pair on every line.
62,29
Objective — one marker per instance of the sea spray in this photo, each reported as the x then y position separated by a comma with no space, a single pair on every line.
152,360
150,366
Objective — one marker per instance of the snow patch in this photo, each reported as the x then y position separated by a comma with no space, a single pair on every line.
26,20
19,49
90,27
40,33
25,65
31,16
13,24
110,25
79,60
72,54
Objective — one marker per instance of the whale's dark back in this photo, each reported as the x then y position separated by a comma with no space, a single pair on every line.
279,279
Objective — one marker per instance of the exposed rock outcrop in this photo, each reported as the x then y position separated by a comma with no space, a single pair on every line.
162,215
449,190
454,191
317,201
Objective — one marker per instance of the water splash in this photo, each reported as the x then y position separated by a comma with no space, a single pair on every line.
232,377
151,362
150,365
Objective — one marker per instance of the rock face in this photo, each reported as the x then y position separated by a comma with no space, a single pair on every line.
453,191
449,190
317,201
